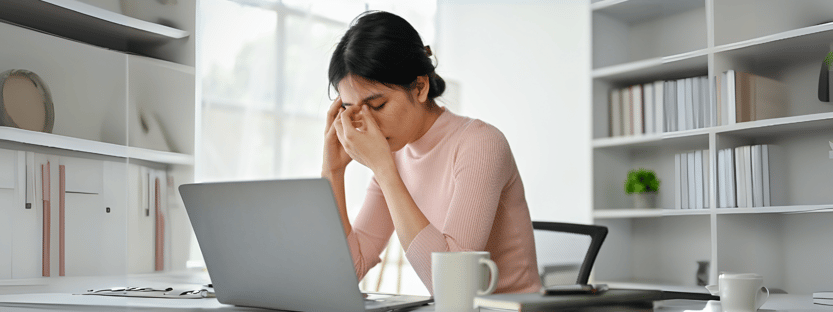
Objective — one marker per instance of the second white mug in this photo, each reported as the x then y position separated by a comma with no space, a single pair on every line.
742,292
457,277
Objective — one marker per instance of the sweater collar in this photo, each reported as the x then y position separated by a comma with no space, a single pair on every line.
433,136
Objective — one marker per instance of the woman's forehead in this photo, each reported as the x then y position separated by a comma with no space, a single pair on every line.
360,86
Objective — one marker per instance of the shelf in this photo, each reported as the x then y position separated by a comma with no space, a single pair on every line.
669,139
87,23
646,213
689,64
779,126
94,147
777,209
635,11
786,47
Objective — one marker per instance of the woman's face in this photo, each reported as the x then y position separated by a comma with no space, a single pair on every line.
400,114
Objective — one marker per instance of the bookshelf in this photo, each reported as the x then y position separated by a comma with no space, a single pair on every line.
123,87
643,41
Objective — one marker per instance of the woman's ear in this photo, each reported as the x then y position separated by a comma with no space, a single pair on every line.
423,85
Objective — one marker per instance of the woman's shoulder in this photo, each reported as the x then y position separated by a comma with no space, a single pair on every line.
477,134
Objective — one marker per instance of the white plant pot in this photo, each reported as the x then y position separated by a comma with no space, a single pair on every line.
644,200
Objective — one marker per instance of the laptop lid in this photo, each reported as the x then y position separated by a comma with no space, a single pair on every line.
274,244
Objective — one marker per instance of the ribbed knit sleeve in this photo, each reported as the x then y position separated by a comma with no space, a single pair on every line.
482,166
371,231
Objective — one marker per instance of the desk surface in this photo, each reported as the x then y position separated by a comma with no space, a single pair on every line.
60,294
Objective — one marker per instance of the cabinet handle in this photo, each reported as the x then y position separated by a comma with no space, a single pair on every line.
46,218
160,230
61,201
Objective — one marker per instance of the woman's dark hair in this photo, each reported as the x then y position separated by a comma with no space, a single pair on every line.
384,47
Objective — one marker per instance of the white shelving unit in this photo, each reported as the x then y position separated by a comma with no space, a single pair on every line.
643,41
123,87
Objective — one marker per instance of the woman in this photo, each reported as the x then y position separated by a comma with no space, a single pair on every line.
444,182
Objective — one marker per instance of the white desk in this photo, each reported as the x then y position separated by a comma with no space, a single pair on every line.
59,295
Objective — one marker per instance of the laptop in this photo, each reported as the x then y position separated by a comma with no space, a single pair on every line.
279,244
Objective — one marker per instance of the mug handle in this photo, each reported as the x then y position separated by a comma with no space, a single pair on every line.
760,301
493,282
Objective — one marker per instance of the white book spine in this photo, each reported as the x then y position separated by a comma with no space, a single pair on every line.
616,113
757,177
627,120
681,105
695,103
692,182
678,176
731,182
698,179
731,98
638,117
706,101
765,174
648,101
706,179
672,106
689,105
721,178
659,99
747,162
684,180
741,195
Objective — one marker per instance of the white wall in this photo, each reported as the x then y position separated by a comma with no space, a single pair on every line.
524,66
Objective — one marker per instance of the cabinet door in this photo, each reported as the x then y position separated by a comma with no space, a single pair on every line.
8,205
141,220
91,233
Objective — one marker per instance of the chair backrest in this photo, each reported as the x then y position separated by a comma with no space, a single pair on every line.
566,242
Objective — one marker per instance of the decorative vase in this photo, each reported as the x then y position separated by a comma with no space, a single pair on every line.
644,200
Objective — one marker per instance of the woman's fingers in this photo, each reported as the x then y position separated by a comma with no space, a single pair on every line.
333,111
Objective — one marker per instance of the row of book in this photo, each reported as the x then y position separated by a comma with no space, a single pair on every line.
691,183
744,175
686,104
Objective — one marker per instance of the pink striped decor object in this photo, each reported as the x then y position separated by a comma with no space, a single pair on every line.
46,218
61,215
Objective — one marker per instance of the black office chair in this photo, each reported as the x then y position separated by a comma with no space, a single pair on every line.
566,251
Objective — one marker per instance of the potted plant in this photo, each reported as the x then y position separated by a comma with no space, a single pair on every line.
643,185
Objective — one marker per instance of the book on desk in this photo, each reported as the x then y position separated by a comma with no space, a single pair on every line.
631,298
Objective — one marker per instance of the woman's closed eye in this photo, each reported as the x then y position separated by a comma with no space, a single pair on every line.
376,108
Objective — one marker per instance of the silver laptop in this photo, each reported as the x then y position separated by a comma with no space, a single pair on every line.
279,244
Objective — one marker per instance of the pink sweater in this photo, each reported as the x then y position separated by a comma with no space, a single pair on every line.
463,178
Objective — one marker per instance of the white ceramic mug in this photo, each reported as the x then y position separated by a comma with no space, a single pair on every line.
741,292
459,276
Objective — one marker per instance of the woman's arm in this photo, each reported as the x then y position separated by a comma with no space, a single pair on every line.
335,162
368,146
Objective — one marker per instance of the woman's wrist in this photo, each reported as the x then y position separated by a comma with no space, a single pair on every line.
329,174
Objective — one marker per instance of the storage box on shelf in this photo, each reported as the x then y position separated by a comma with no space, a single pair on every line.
773,240
123,139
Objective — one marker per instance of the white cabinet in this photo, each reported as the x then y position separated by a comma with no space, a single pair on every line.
641,42
83,200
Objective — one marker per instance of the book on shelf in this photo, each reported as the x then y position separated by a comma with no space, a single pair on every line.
765,175
681,108
731,181
692,181
707,102
684,180
637,119
678,186
747,174
670,111
748,97
739,177
730,97
696,115
659,97
698,179
721,179
648,107
616,113
706,180
627,121
757,177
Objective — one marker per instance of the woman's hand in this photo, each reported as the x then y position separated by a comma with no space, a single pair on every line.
335,157
360,135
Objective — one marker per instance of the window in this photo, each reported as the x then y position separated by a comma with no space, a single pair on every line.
265,96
